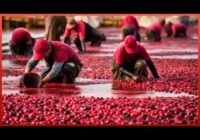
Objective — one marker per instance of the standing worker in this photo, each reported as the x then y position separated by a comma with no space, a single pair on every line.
84,33
130,61
55,27
62,63
130,26
21,42
154,31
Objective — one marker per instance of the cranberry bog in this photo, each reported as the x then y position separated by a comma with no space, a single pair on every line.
96,99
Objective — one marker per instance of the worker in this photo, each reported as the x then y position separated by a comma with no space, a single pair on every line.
84,33
130,26
21,42
154,31
176,29
131,60
62,63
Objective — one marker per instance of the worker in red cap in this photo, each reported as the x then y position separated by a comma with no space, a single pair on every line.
176,29
21,42
130,26
154,31
84,33
130,61
62,63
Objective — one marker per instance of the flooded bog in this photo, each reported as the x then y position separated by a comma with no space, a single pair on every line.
95,99
83,87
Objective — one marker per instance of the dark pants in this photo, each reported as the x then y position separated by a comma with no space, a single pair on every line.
137,68
180,34
67,75
152,36
131,31
22,48
91,35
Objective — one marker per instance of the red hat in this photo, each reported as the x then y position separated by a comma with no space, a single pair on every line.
130,44
40,49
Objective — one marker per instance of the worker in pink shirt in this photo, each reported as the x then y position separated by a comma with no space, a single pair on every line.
176,29
131,60
154,31
62,62
84,33
130,26
21,42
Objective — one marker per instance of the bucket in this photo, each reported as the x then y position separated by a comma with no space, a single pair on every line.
30,80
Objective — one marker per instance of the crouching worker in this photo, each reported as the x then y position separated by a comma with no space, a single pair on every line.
62,63
154,31
131,60
176,29
84,33
21,42
130,26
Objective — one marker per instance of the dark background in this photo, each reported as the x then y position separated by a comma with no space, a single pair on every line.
101,6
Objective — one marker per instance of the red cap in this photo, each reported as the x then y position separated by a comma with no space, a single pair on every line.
40,49
130,44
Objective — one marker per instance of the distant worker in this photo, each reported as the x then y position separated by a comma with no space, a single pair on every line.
21,42
130,26
62,63
56,28
154,31
131,60
84,33
176,29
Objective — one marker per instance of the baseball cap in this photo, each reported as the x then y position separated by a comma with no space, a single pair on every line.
130,44
40,49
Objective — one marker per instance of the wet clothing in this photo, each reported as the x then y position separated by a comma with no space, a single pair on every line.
56,28
84,33
176,30
137,68
62,64
130,26
21,42
154,31
133,63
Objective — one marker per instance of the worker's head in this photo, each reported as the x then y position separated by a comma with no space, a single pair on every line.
41,49
169,23
71,23
168,26
168,29
162,21
130,44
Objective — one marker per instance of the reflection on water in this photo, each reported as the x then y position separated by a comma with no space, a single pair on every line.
88,88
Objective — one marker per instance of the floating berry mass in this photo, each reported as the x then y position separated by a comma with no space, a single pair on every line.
177,76
26,109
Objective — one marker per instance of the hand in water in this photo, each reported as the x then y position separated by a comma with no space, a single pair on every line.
139,78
